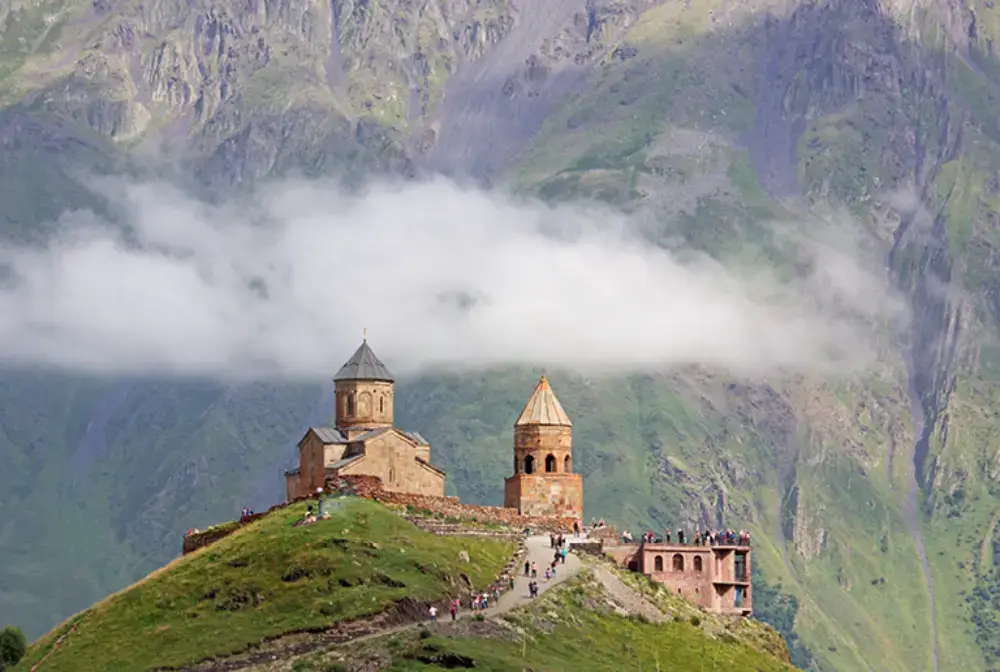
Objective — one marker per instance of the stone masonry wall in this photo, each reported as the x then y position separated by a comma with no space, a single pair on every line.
370,487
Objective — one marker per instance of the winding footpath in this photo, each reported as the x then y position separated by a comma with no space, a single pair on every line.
537,550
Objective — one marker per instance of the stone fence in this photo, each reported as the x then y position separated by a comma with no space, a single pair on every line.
588,547
370,487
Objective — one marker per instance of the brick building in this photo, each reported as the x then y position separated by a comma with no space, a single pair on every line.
543,483
363,440
714,577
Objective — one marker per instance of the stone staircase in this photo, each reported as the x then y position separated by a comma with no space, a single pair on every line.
443,527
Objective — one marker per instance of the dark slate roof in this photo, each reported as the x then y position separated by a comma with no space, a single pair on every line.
344,461
364,365
370,434
329,435
421,441
428,464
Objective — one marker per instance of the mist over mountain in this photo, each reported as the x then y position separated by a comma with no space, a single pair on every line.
752,244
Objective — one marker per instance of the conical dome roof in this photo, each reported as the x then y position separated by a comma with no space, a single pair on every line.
543,408
364,365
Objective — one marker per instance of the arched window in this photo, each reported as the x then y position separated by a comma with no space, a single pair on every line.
658,563
350,403
392,475
550,463
381,404
529,465
678,562
567,465
517,466
697,563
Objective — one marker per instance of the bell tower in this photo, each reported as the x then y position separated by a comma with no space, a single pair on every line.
544,483
363,390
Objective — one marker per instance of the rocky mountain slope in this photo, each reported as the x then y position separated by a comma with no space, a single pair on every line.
874,500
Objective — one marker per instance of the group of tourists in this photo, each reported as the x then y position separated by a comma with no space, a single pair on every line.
706,538
479,601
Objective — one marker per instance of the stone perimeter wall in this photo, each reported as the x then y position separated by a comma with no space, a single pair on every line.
370,487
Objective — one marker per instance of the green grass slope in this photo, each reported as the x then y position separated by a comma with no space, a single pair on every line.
572,627
265,580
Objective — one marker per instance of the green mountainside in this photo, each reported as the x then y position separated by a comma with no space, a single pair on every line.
266,596
269,579
873,500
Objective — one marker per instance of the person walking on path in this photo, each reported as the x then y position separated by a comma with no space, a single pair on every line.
434,613
562,555
527,567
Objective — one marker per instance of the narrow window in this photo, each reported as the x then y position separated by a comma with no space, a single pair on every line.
678,562
529,465
550,463
567,465
516,465
658,563
381,404
392,475
350,403
697,563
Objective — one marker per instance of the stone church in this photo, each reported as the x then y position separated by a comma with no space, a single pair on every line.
544,483
363,440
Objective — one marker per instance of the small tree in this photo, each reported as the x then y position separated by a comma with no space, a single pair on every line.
12,646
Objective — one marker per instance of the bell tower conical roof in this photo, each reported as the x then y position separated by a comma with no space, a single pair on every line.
364,365
543,408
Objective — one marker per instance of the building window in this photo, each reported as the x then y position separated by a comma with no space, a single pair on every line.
516,465
392,475
697,563
678,562
350,403
567,465
740,567
658,563
550,463
381,404
529,465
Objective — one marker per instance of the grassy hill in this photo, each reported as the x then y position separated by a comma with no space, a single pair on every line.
578,625
873,500
271,579
265,580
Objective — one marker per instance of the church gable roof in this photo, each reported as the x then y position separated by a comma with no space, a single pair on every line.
364,365
326,435
343,462
543,408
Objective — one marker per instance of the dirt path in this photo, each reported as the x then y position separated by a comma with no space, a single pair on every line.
537,550
630,600
55,646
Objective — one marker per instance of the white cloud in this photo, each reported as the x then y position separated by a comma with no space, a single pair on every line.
283,285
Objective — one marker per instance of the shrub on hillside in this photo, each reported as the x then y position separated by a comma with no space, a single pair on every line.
12,646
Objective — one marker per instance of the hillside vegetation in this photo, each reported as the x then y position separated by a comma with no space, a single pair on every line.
578,625
268,579
872,499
